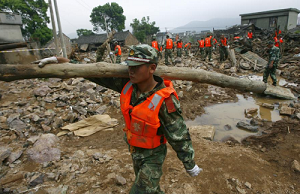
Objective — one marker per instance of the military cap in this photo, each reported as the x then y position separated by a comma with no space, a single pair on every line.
141,54
270,42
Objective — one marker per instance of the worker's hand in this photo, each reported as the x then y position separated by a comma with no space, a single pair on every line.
194,171
111,53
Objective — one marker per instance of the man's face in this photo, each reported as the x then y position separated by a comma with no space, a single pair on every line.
141,73
270,46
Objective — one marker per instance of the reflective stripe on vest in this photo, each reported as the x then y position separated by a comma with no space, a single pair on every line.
154,102
127,88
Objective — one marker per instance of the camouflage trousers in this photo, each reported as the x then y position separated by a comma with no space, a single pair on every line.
118,59
208,51
223,53
160,54
186,51
272,72
147,164
168,54
179,52
201,52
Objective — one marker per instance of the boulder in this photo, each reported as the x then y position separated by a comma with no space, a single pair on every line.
285,110
45,149
244,125
204,131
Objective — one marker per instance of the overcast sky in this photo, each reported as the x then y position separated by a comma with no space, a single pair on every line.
75,14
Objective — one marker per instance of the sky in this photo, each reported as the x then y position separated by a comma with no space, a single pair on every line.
75,14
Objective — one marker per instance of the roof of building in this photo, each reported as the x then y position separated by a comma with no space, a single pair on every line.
272,11
100,38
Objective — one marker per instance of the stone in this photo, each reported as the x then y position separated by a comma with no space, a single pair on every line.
97,155
4,153
203,131
14,156
61,189
80,110
120,180
227,127
245,66
233,69
248,185
3,119
42,91
296,166
267,105
251,111
298,116
36,180
58,122
285,110
46,128
33,139
180,94
12,117
244,125
17,125
188,88
45,149
240,190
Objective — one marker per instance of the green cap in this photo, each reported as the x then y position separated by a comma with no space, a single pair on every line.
141,54
271,42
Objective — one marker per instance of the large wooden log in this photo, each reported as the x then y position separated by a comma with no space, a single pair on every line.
10,72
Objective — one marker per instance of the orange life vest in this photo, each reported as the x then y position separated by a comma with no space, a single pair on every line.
276,41
215,41
236,38
160,48
224,42
119,50
169,44
187,45
142,121
179,44
207,42
201,43
250,35
155,44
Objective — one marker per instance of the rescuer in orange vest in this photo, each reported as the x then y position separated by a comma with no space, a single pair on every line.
117,52
250,38
223,48
208,47
155,44
201,46
168,50
152,115
179,47
215,42
187,48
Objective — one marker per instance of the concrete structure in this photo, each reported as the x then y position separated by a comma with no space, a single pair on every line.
10,28
51,46
285,18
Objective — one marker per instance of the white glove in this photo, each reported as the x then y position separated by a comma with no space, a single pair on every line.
111,53
194,171
45,61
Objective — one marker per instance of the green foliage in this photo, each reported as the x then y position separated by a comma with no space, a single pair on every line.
84,32
34,18
114,17
141,29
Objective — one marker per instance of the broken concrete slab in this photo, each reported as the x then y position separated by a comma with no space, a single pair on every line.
279,92
203,131
285,110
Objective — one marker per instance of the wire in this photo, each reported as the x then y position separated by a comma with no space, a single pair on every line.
83,5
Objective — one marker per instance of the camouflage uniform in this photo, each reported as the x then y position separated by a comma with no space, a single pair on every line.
179,52
274,54
208,50
147,163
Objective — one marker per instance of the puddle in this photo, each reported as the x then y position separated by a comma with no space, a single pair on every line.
221,115
281,81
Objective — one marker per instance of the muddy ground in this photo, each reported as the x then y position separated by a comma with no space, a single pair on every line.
258,164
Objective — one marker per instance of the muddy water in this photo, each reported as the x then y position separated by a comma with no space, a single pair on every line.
229,114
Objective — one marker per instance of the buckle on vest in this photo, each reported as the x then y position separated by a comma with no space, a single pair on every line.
132,149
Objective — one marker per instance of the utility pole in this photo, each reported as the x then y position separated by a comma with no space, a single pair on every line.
53,28
60,31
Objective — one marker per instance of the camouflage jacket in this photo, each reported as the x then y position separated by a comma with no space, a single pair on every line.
172,124
274,54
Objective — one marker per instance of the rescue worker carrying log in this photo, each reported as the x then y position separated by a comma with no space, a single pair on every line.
152,114
208,47
270,69
168,50
117,52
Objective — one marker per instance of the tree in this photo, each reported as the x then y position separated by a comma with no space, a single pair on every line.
34,18
144,28
113,14
84,32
